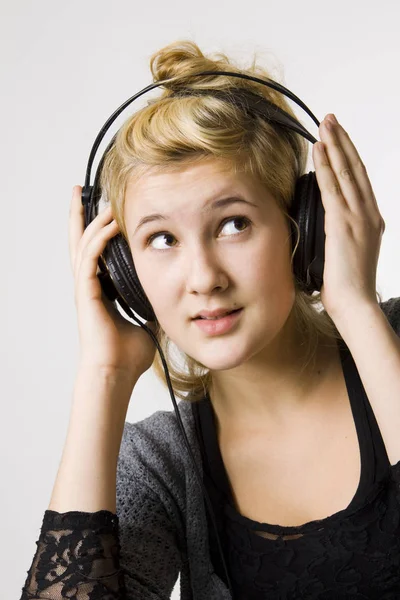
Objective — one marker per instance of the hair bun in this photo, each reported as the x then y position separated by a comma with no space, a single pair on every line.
175,59
184,57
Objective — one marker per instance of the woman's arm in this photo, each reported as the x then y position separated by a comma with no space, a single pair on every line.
78,551
86,479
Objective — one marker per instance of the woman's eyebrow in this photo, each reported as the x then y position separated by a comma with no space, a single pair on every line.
221,202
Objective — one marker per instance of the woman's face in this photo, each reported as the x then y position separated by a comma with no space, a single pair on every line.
196,262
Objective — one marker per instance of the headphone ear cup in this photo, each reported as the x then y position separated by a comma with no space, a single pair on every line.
125,284
309,213
118,277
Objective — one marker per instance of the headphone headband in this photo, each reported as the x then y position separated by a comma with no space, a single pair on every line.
252,101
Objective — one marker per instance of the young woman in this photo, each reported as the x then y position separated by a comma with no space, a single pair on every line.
292,412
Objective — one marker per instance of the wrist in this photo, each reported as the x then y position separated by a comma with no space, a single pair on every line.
114,375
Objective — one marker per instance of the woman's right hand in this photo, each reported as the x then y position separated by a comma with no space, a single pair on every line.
108,341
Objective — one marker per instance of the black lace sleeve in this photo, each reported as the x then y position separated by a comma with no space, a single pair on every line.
77,557
132,554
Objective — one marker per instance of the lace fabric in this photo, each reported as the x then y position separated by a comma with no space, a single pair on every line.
135,553
77,557
356,557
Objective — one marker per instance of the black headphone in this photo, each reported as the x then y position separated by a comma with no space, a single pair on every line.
118,276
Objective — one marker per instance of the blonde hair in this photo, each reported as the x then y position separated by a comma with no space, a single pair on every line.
170,131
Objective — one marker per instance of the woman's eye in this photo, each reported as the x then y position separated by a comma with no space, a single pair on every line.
239,219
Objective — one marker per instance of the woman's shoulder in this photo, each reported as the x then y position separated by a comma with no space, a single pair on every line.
154,450
161,427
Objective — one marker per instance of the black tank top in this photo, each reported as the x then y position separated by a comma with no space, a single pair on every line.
354,553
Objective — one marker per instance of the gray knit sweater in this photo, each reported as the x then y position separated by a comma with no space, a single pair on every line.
159,531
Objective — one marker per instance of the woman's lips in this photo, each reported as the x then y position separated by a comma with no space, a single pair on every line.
220,325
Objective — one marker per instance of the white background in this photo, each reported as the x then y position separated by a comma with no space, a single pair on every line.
65,67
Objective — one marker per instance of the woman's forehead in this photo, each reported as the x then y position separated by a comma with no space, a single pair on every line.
210,172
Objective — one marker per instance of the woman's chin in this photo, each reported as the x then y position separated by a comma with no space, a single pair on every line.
220,361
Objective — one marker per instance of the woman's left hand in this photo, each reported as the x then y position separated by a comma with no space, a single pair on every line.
353,224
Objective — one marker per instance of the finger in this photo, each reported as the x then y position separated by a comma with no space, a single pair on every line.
101,220
79,235
76,223
348,168
87,258
337,179
327,182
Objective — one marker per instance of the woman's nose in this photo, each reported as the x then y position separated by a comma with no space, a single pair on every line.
204,272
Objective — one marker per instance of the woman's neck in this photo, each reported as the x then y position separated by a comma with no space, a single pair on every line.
276,390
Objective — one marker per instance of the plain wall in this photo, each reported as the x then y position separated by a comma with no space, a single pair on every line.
65,67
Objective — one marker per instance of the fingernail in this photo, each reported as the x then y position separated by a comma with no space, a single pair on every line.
333,118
